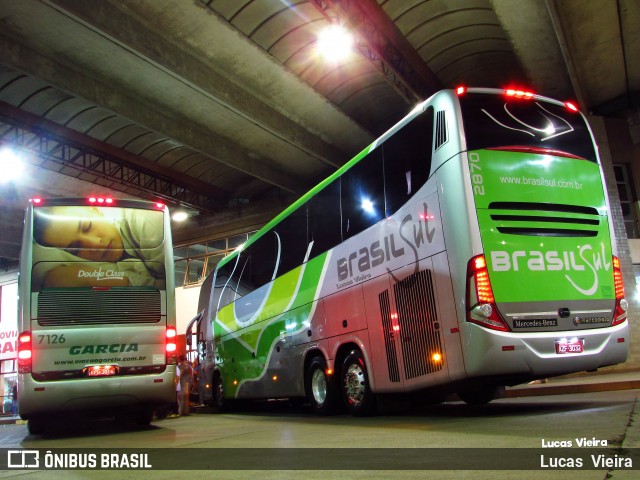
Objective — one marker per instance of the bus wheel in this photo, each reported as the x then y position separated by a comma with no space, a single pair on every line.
356,392
217,394
36,425
321,389
481,395
144,416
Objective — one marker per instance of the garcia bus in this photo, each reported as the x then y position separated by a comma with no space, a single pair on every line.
468,248
96,310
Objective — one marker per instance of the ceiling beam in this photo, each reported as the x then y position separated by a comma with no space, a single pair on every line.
68,147
559,28
380,41
152,115
121,24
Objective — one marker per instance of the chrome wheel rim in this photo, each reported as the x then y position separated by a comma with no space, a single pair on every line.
354,384
319,386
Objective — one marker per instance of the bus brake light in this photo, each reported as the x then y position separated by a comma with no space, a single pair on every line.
24,352
620,312
481,307
571,106
171,347
518,94
101,200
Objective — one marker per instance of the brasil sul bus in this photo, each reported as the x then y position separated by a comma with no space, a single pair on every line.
467,249
96,310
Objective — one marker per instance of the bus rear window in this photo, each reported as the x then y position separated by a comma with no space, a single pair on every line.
494,121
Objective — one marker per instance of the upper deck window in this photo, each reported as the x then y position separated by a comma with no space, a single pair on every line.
495,121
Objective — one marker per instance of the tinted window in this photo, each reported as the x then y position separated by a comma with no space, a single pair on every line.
264,255
407,160
293,237
324,219
498,121
363,195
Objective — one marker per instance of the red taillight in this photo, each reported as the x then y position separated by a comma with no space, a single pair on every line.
620,312
518,94
171,347
24,352
481,307
571,106
101,200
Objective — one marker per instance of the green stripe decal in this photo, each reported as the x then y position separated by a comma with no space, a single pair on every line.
293,293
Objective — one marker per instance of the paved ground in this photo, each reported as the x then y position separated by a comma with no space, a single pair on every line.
583,383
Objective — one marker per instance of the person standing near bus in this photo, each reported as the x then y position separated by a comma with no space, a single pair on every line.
185,379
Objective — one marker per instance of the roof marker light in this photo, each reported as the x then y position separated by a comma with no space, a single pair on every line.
518,93
461,90
571,106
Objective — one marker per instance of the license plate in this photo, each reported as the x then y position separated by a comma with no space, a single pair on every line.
101,370
574,345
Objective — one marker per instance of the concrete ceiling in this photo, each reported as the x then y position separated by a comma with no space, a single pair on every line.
223,106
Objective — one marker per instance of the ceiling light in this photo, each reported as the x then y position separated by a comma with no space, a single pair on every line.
334,43
180,216
10,165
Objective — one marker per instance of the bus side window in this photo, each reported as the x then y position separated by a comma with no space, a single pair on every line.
407,160
363,195
264,258
293,237
225,287
324,219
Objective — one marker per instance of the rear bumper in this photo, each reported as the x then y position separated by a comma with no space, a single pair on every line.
107,393
491,352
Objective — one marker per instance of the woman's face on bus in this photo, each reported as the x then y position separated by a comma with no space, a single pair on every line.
84,232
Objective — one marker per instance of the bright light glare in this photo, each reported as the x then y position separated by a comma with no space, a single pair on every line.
334,43
10,165
180,216
367,206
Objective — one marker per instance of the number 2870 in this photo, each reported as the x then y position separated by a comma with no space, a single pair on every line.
476,173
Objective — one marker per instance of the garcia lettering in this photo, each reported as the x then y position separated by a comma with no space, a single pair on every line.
113,348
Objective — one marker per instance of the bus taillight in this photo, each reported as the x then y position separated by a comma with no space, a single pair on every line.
24,352
100,200
620,313
571,106
171,347
518,94
481,307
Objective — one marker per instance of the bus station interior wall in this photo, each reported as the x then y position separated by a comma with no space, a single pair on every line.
186,306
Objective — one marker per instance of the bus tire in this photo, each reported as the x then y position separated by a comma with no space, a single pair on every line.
321,389
218,400
354,381
144,416
36,425
480,395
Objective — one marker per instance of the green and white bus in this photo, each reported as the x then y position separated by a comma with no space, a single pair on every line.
96,310
468,248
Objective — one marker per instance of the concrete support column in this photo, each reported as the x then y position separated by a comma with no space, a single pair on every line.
598,127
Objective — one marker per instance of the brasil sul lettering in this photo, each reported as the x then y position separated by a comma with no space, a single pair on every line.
411,234
585,259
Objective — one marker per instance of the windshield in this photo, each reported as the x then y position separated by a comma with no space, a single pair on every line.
496,121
